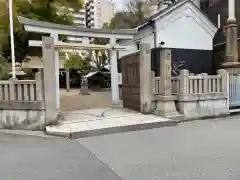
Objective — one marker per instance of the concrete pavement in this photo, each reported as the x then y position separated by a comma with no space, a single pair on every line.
92,122
205,150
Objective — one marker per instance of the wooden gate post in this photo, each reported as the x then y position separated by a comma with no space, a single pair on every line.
146,88
50,80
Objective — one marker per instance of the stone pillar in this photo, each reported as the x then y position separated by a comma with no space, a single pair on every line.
224,81
55,37
67,80
146,87
231,62
114,74
165,72
39,86
184,81
166,101
85,40
50,80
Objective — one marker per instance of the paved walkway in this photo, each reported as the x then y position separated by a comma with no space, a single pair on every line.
92,122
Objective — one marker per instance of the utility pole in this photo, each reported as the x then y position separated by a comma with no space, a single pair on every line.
10,4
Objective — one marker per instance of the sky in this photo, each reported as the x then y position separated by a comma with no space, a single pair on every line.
119,4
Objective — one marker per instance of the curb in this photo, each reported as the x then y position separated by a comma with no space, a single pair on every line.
111,130
40,134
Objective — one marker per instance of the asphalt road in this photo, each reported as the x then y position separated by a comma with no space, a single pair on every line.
205,150
36,158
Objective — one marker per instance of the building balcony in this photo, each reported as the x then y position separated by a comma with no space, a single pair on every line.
72,38
77,15
79,22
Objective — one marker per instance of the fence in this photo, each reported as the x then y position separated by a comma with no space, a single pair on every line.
188,83
157,86
202,83
234,90
22,92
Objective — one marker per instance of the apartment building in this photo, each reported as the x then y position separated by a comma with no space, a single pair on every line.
99,12
79,19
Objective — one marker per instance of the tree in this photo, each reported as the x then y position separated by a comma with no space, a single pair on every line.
136,12
77,62
121,20
161,2
100,60
44,10
4,68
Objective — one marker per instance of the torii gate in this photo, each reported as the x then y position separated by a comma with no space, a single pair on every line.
56,29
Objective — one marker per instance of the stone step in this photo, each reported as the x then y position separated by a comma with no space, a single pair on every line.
99,126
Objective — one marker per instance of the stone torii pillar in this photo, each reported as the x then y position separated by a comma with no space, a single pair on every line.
56,60
114,74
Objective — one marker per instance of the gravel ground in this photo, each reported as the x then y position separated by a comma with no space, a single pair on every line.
74,101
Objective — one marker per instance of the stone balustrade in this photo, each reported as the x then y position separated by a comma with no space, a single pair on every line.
198,96
22,104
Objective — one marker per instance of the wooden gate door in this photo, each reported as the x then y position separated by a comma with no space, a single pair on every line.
131,81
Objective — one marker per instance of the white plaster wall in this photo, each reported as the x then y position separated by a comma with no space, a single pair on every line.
145,36
183,29
129,43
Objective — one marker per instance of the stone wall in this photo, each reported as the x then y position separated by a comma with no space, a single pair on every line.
22,119
202,105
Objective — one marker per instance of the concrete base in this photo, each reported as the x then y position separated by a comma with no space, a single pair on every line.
22,119
165,106
84,90
231,67
205,108
119,105
84,93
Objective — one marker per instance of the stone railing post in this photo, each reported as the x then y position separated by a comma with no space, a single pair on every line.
205,82
224,80
39,86
145,78
153,82
12,90
184,81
